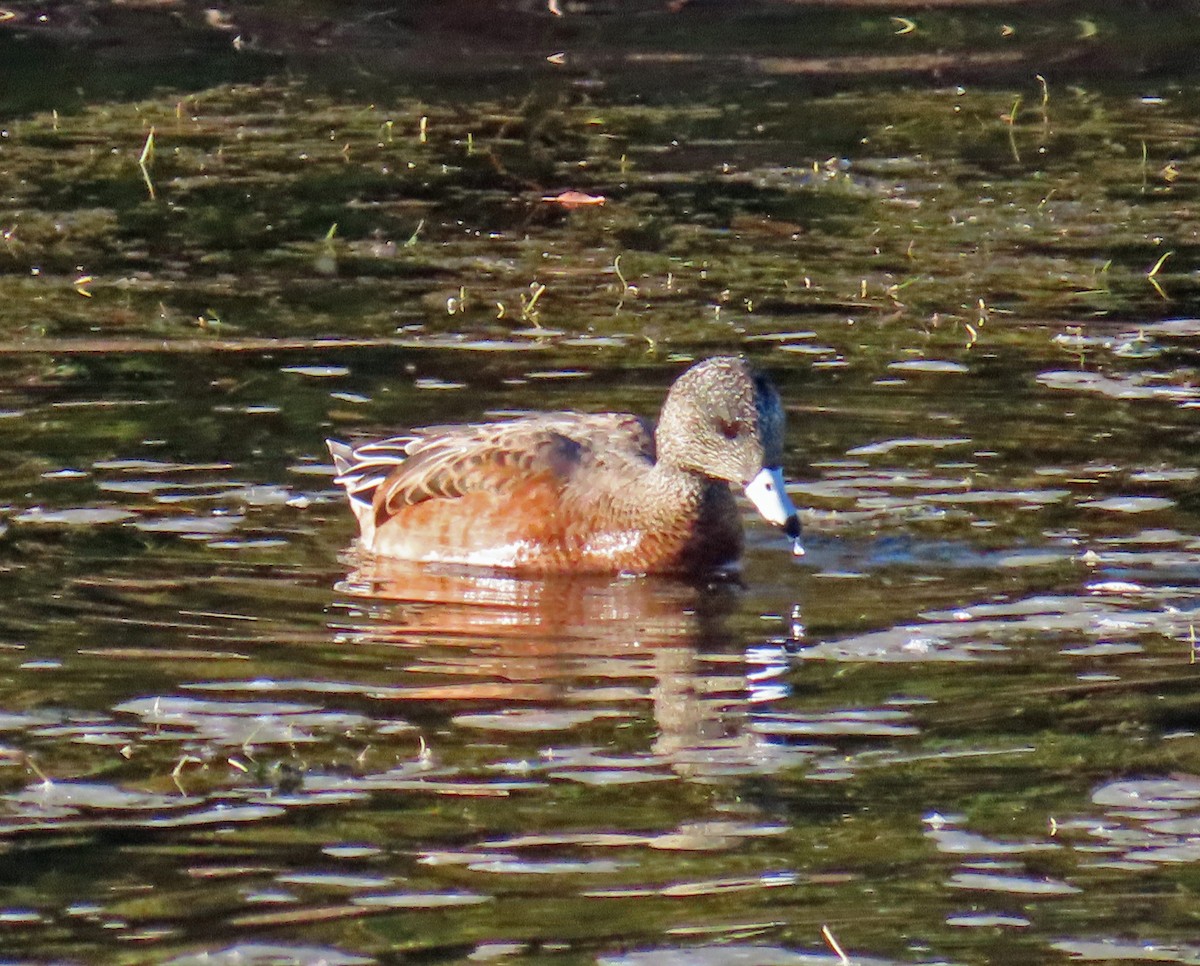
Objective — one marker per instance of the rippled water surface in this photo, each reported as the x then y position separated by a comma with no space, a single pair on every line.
962,728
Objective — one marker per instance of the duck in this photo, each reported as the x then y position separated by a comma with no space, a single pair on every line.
570,492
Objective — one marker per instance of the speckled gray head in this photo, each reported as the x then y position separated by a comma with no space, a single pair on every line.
725,421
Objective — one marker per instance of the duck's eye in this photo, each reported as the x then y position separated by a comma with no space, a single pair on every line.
731,428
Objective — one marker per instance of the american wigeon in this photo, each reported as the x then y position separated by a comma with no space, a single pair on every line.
576,492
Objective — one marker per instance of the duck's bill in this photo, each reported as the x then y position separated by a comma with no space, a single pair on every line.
769,495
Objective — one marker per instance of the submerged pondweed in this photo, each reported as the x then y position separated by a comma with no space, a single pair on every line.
247,180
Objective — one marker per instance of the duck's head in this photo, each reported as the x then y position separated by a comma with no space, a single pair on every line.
725,421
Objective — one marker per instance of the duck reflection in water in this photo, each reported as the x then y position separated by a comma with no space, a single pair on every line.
583,647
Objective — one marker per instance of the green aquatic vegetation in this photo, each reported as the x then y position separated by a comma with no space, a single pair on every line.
247,181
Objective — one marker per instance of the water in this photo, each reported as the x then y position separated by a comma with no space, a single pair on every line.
961,729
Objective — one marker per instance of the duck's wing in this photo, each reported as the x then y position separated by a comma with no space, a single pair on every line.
445,462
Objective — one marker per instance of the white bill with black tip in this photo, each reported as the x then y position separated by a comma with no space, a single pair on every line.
768,492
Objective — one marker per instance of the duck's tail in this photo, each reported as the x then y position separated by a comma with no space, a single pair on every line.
359,484
343,456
